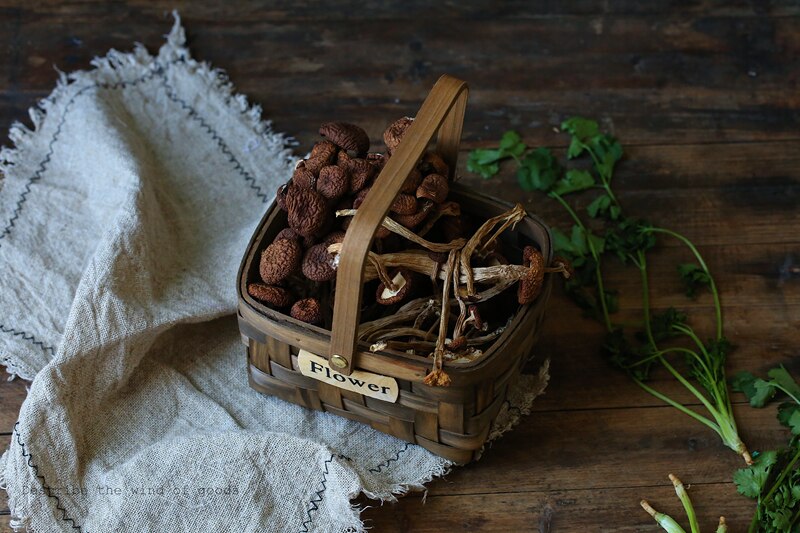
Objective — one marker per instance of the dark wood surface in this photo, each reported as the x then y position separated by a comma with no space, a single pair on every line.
704,96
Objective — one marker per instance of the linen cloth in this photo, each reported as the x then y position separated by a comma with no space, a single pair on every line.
125,212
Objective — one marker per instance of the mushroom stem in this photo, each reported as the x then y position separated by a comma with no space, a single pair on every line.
401,230
507,219
421,263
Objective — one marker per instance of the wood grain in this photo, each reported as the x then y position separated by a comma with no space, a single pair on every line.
704,97
12,394
5,441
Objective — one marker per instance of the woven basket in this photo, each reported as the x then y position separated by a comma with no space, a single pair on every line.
453,422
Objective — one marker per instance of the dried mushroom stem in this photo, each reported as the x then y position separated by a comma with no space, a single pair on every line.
506,220
404,232
448,209
421,263
400,332
437,376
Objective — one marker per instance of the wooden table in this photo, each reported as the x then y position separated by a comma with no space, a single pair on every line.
705,101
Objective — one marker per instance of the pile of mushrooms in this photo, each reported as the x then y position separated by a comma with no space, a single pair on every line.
434,280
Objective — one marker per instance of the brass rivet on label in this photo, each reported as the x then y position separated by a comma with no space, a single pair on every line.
338,361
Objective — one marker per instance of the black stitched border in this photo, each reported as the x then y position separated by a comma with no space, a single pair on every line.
318,495
223,146
45,486
390,460
43,164
28,337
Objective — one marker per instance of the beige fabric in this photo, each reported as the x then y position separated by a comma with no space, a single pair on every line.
125,213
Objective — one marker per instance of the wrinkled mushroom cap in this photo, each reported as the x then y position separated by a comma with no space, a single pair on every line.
432,163
307,310
324,150
276,297
403,281
279,260
394,133
333,182
345,135
404,204
307,211
303,177
318,263
361,172
434,187
531,285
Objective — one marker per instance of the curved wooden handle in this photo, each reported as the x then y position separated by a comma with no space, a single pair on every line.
442,110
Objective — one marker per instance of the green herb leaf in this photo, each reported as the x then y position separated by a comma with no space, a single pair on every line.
789,416
484,162
750,481
663,324
764,393
744,382
580,129
780,376
627,238
574,181
511,144
599,206
538,170
694,278
607,151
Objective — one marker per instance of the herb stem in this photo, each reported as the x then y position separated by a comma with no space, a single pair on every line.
714,292
601,293
680,407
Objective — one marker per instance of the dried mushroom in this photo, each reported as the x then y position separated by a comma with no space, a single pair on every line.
434,187
280,260
397,291
333,182
531,285
345,135
394,133
307,211
318,263
277,297
307,310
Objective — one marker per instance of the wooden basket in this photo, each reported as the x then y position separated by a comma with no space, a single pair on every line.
453,422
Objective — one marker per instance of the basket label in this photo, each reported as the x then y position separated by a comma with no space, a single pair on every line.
366,383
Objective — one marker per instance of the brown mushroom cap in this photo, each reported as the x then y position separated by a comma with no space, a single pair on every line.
361,172
424,207
287,233
404,204
308,211
280,196
412,182
346,135
531,285
394,133
404,282
334,237
303,177
325,150
434,187
457,344
279,260
378,160
432,163
333,182
318,263
307,310
273,296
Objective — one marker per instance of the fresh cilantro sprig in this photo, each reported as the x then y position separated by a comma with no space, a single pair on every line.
761,391
606,231
774,482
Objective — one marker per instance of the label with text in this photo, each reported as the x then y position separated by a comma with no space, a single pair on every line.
366,383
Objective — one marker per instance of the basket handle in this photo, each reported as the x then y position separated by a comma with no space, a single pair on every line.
442,110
